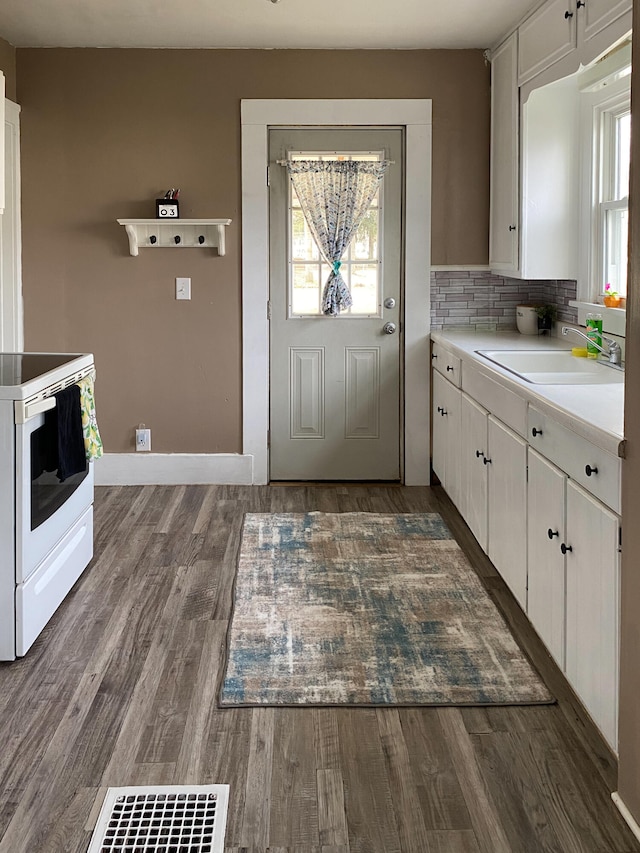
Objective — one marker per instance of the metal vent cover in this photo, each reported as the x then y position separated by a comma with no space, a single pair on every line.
162,819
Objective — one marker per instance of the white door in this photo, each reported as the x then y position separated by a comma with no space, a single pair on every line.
335,382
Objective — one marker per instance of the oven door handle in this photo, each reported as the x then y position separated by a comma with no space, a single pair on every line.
26,411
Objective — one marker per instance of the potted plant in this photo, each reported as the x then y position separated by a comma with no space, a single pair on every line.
611,298
546,315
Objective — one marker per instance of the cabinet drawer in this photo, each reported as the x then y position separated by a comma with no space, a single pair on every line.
577,456
446,363
506,405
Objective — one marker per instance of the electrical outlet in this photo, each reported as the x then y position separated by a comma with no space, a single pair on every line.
143,439
183,288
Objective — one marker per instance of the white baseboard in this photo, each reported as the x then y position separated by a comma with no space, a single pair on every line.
626,814
173,469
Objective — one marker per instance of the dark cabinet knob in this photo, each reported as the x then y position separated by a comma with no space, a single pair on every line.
568,15
564,548
449,368
580,4
551,533
153,239
434,355
512,228
479,453
535,432
201,239
486,461
589,470
177,239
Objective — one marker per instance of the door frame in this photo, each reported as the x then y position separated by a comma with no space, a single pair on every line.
258,117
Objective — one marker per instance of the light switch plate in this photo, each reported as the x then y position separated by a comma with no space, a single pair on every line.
183,288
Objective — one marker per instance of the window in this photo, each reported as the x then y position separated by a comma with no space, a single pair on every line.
361,265
606,128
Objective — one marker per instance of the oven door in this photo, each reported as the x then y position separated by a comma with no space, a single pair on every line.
45,508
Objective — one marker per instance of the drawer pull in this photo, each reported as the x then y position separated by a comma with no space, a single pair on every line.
479,453
535,432
589,470
568,15
486,461
449,368
564,548
434,355
551,533
442,411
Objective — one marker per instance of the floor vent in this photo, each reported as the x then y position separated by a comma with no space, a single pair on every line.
162,819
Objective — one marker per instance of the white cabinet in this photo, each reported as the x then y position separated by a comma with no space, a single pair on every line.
546,583
545,37
573,578
446,435
507,507
504,214
563,34
474,451
592,653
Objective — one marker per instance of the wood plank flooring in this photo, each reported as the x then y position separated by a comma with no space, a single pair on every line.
120,690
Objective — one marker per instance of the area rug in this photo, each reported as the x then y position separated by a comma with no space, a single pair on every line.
366,609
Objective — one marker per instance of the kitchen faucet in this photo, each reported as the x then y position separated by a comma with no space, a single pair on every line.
614,353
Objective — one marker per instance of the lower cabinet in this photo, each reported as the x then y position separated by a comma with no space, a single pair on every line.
573,578
493,493
446,435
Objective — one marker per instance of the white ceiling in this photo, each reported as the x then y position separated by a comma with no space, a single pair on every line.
259,23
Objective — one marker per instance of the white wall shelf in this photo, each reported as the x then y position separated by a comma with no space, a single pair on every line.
175,234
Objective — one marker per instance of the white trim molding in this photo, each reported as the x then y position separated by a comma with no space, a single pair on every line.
414,116
626,814
173,469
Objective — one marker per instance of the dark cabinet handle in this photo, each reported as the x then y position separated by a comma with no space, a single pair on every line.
512,228
442,411
479,453
589,470
551,533
535,432
201,239
177,239
449,368
153,239
434,355
564,548
568,15
580,4
486,461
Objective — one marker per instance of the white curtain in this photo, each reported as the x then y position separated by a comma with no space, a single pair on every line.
334,196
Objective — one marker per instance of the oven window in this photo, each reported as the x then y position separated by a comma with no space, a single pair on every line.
48,494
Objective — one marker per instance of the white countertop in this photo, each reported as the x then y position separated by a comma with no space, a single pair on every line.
596,412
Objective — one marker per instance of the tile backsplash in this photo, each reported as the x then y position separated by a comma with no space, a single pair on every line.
482,300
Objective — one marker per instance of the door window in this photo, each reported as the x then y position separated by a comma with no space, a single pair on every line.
361,264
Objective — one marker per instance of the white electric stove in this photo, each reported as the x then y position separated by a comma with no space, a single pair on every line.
46,526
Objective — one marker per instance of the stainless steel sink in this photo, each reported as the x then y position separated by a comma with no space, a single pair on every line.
555,367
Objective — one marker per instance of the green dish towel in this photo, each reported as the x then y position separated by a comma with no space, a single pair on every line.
92,441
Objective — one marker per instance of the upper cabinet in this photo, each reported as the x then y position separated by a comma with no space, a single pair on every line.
565,34
503,237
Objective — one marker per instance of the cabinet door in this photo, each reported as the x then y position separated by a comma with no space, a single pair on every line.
545,37
507,501
600,24
446,435
545,563
593,607
473,471
503,227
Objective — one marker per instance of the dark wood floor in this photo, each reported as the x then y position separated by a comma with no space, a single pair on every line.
120,690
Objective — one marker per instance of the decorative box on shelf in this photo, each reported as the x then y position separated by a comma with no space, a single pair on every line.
181,233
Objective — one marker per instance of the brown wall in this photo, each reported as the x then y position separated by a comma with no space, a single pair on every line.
629,738
8,68
105,131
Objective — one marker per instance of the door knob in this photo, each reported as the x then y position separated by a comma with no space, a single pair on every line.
389,302
389,328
